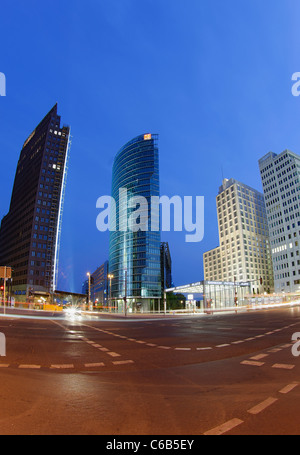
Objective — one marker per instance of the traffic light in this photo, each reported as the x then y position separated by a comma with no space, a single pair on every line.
261,281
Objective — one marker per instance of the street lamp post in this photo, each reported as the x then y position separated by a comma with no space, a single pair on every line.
89,295
110,276
125,298
4,291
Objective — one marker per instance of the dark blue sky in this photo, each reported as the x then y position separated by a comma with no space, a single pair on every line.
211,77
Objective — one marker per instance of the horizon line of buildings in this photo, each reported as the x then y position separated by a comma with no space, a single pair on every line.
259,233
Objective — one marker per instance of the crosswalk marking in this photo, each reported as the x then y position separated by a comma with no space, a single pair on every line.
283,366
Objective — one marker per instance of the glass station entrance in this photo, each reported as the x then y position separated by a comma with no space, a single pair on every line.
214,294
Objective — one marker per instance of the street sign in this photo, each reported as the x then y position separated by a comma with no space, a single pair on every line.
5,272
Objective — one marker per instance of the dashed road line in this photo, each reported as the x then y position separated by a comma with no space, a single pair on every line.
65,366
289,388
252,363
255,410
62,366
123,362
283,366
91,342
192,348
262,406
113,354
94,365
224,428
259,356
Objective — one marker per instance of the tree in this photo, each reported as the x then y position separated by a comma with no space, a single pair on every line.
175,301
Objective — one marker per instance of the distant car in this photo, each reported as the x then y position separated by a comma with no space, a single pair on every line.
72,311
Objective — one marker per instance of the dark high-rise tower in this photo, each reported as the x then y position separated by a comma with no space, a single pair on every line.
30,232
134,257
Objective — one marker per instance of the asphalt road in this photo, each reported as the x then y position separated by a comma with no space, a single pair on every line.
197,375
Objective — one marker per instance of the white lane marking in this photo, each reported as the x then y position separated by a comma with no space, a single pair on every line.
113,354
101,348
2,365
221,429
283,366
123,362
204,349
94,365
33,367
66,366
186,349
262,406
253,363
289,388
259,356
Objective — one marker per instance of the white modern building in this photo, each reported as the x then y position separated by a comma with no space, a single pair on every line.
280,175
244,253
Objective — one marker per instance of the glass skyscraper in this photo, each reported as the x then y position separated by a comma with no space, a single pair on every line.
134,256
30,232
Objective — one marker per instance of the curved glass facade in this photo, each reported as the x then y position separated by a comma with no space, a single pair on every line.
134,256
